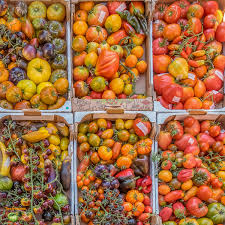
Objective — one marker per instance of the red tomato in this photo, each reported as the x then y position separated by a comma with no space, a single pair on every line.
195,10
214,130
115,7
160,46
214,96
97,16
210,7
172,93
195,25
214,81
164,103
81,88
220,32
164,139
210,21
196,207
172,14
189,161
160,11
96,95
205,125
179,209
219,62
185,175
184,5
178,106
185,141
193,149
142,126
175,129
166,213
17,172
162,80
192,129
174,196
221,137
158,27
161,63
203,137
209,34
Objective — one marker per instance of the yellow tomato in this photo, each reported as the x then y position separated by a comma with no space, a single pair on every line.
128,124
64,154
91,59
165,175
55,149
117,85
92,47
2,21
43,85
113,23
221,174
64,143
28,88
54,139
80,27
38,70
53,129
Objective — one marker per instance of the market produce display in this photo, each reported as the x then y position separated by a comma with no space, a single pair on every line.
188,63
34,173
108,49
113,174
192,172
33,63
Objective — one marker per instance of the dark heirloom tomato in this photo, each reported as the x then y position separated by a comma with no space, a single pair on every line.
158,27
172,13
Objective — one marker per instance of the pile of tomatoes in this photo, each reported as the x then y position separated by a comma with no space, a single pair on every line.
192,172
108,52
33,64
113,172
188,63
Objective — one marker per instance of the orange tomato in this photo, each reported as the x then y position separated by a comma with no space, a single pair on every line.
117,85
131,196
79,43
134,74
14,24
127,206
141,66
78,59
164,189
87,6
165,175
199,89
193,103
207,104
80,15
138,51
80,27
187,185
124,162
139,208
200,71
131,61
4,75
108,94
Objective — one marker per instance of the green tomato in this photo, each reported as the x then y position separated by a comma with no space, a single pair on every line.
83,128
13,217
216,212
205,221
98,84
133,139
5,183
94,140
60,200
170,223
37,9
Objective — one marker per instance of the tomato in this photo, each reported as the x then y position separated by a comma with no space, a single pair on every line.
195,25
175,129
158,28
196,207
17,172
166,213
201,177
164,103
179,209
214,81
161,63
193,149
96,34
216,212
214,47
162,80
220,32
214,130
210,7
185,175
117,85
193,103
172,93
186,141
108,94
210,21
199,89
159,11
204,192
188,92
184,5
138,6
192,128
189,161
160,46
80,73
205,221
107,64
188,221
142,126
178,106
172,13
171,31
209,34
195,10
219,62
174,196
113,23
81,88
115,7
98,84
164,139
115,38
14,94
28,88
204,137
191,80
97,16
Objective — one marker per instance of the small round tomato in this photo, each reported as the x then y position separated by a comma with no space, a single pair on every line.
80,73
96,34
158,27
172,13
220,31
195,10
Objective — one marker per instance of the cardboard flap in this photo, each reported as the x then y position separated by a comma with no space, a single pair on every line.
37,118
197,112
31,112
126,116
114,109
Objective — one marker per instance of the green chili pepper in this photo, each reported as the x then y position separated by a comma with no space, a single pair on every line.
142,20
124,15
13,217
133,21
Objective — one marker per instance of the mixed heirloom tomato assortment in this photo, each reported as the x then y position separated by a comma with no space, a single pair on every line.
33,63
108,52
113,171
34,173
188,63
192,172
